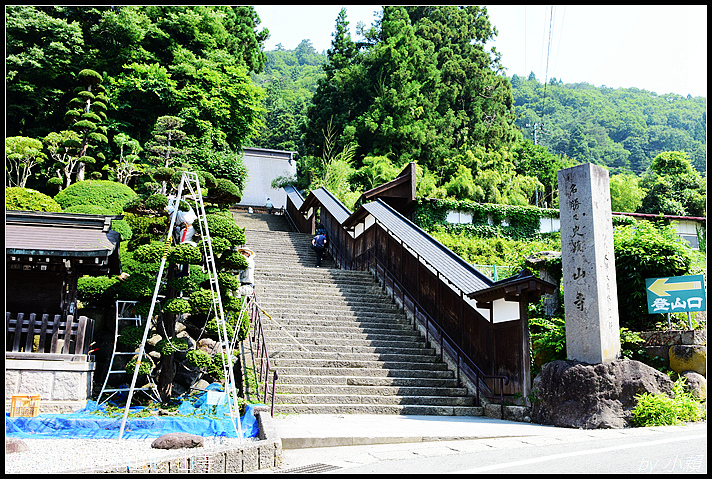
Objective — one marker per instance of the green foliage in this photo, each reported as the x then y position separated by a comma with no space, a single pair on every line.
201,300
622,129
185,253
25,199
177,306
150,253
232,260
661,410
213,365
228,282
626,193
145,367
221,226
645,251
166,347
104,193
548,337
95,289
21,155
131,336
673,187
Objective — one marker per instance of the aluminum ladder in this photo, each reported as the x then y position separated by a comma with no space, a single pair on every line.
189,189
124,316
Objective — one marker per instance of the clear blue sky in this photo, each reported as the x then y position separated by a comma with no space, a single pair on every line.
657,48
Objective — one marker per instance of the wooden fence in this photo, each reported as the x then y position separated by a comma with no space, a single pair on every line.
52,336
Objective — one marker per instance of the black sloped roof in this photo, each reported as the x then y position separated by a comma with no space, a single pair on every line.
452,267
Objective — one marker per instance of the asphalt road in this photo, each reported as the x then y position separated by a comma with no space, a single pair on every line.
664,450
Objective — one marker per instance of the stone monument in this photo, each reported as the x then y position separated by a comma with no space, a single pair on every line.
588,267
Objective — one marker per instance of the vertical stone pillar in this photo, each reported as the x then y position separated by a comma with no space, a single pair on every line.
588,267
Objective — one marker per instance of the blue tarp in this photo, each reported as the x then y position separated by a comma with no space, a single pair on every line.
197,414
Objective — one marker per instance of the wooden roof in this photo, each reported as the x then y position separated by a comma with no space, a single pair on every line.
59,234
523,287
452,267
322,196
398,193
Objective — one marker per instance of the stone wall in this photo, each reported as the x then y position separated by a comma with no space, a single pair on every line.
63,386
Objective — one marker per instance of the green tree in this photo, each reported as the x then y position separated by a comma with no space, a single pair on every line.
673,187
421,88
86,116
21,155
63,148
127,165
645,250
626,193
167,134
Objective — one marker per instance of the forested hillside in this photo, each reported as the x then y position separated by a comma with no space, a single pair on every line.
622,128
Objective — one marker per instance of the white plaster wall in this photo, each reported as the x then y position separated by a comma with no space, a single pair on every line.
261,171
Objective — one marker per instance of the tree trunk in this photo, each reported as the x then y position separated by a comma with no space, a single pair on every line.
167,329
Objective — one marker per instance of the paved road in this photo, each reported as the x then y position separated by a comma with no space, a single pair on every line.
671,449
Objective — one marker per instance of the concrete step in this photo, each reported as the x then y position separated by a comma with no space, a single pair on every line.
425,356
314,399
393,373
416,410
412,394
368,381
339,348
354,363
335,336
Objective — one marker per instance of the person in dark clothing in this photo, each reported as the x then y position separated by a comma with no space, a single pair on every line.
319,243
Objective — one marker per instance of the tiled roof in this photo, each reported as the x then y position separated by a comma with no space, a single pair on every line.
59,234
322,196
452,267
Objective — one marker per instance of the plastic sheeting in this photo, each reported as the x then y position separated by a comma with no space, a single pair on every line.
205,414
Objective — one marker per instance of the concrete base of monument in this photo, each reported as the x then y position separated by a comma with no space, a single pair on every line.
592,396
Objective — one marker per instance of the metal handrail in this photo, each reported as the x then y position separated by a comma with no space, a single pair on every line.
265,365
445,339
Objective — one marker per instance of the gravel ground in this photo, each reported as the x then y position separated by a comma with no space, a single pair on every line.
86,455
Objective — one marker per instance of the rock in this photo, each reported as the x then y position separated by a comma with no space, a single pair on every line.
688,358
13,445
696,384
511,413
177,440
206,344
579,395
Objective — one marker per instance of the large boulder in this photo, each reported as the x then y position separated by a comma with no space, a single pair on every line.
688,358
592,396
696,384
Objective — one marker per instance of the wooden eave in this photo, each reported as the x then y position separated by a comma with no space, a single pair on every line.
528,289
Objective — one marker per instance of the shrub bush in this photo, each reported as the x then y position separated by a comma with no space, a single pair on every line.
109,194
233,260
642,251
185,253
95,289
220,226
660,410
26,199
131,336
144,368
177,306
166,347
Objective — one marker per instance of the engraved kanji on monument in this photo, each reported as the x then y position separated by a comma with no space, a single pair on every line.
588,265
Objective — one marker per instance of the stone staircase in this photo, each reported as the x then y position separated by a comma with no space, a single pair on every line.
339,343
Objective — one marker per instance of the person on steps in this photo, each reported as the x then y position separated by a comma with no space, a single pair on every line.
319,245
247,276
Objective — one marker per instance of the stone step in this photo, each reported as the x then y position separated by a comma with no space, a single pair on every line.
419,374
279,363
419,410
416,349
335,336
424,357
367,381
366,399
375,391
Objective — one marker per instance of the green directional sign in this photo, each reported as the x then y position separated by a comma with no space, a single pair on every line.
676,294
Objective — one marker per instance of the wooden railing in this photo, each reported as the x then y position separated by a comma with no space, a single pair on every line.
52,336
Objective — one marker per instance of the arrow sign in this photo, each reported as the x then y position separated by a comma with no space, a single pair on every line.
676,294
661,287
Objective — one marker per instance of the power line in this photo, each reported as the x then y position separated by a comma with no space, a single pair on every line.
546,74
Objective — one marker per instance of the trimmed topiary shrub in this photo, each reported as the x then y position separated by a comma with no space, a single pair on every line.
94,289
201,300
131,336
233,260
109,194
220,226
177,306
144,368
149,253
26,199
185,253
166,347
